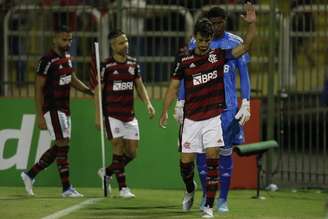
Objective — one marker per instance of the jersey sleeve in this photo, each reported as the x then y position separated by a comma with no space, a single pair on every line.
245,58
245,87
43,66
181,91
228,54
177,71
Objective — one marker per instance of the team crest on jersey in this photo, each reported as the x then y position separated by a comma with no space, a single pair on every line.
131,70
212,58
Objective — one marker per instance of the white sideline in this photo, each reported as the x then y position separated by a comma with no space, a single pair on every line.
73,208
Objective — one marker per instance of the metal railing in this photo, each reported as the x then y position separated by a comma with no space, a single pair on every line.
27,35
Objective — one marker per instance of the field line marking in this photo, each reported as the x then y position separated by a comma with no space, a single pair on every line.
73,208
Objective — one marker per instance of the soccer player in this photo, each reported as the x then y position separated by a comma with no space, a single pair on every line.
202,70
55,75
120,74
232,131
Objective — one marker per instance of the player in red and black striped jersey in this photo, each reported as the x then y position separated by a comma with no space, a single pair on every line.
120,75
55,75
204,82
118,79
202,71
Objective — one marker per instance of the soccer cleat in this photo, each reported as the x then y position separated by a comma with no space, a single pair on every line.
71,193
101,173
28,182
202,202
222,205
207,212
126,193
188,201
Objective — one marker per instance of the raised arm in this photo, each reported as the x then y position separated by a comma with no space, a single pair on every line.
250,18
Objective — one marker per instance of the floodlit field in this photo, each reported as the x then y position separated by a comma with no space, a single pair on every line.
154,204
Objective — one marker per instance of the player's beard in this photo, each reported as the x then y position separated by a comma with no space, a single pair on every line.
64,49
124,52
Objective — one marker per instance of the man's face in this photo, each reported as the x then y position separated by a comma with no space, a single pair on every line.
63,41
202,42
218,26
120,45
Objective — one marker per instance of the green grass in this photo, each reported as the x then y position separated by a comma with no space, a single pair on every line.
155,204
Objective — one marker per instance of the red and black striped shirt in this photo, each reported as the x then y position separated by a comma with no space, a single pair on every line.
203,80
118,79
56,91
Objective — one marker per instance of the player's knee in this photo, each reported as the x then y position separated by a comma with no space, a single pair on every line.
117,143
226,151
212,153
186,170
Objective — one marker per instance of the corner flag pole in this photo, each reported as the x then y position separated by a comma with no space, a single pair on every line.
96,44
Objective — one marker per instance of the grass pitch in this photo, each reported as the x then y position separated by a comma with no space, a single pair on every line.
155,204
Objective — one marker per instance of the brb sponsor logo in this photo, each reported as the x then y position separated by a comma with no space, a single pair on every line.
120,86
23,136
201,78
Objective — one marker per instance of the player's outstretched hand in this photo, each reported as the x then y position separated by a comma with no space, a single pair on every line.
163,120
151,110
42,123
250,16
243,114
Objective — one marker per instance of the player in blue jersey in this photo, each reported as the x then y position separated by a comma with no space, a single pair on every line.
231,119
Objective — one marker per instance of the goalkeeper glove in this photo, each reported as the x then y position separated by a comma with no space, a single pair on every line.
243,114
178,111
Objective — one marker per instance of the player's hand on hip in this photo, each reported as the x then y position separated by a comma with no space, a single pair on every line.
163,120
250,16
178,111
151,110
243,115
42,123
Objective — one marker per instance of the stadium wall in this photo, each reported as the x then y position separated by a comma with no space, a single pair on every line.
156,166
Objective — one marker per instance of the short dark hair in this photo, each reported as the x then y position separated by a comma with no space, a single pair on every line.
114,34
62,29
216,12
204,27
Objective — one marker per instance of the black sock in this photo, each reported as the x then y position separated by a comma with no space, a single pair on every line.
187,174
